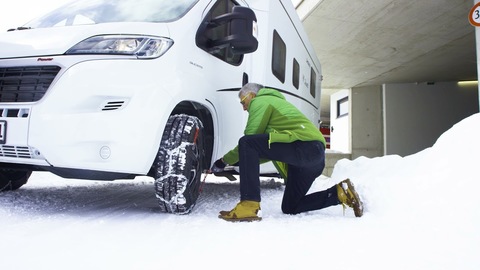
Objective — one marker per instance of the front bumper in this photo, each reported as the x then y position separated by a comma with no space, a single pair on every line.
103,115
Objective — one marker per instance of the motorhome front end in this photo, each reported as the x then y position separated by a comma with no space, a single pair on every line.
113,89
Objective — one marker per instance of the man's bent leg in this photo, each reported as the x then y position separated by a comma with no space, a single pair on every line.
301,178
296,187
251,149
308,156
250,166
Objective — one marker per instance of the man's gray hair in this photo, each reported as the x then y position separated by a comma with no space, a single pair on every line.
249,88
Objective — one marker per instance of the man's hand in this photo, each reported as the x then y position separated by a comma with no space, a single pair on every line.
218,166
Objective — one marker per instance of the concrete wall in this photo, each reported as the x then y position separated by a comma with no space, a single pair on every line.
417,114
367,121
331,159
401,119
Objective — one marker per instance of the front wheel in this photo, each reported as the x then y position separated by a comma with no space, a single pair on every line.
178,166
13,179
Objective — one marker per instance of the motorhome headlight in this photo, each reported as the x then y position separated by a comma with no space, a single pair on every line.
145,47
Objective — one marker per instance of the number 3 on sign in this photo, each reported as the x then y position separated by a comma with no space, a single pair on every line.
474,15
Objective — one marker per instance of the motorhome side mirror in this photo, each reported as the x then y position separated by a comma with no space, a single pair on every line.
243,31
241,35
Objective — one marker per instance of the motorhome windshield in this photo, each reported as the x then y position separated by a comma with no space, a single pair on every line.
106,11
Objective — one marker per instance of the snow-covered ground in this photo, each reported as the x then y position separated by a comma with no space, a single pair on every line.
422,212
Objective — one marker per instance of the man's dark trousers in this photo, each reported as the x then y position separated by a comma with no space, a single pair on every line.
306,161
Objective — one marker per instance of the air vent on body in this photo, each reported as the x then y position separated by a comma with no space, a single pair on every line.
113,105
15,151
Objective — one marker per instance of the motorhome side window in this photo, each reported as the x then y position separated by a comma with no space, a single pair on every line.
296,74
211,33
313,82
279,57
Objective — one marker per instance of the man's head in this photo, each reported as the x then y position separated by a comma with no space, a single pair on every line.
247,93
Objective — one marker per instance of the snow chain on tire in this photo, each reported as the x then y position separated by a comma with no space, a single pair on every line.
178,166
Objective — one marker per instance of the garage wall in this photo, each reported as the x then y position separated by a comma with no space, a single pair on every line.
416,114
367,121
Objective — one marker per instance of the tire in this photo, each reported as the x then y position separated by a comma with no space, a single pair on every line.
12,179
178,165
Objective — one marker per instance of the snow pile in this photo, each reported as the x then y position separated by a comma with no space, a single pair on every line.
429,199
440,181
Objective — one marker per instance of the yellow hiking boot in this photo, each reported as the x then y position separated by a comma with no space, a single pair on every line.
349,197
244,211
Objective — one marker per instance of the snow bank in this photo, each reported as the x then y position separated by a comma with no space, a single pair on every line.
430,198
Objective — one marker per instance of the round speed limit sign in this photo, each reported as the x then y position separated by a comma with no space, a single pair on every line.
474,15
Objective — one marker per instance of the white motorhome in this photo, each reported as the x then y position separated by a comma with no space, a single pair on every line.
114,89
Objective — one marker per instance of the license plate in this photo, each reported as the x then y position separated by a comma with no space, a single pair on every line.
3,132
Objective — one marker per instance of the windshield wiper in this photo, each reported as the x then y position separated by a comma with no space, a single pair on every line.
19,28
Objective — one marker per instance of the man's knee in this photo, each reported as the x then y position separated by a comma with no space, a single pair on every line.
246,138
253,140
288,210
242,141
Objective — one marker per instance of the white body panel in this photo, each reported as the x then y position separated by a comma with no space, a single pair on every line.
68,127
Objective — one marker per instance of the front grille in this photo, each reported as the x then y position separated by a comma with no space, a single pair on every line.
15,151
25,84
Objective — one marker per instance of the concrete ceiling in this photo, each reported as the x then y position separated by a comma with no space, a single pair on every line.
372,42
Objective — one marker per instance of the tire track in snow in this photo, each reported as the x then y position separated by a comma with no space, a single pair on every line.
47,195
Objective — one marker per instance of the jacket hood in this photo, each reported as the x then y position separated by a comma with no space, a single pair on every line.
270,92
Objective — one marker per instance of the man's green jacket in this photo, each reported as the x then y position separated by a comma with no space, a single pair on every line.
270,113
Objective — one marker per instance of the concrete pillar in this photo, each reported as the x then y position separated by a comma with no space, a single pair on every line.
367,121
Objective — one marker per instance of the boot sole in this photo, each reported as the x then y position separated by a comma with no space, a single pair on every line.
353,197
245,219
